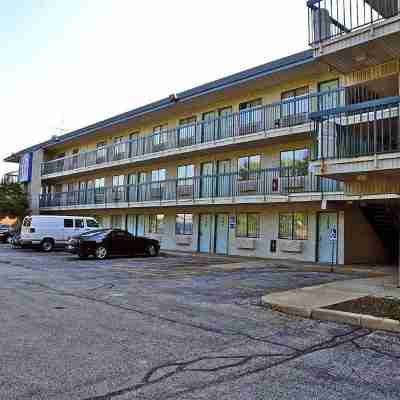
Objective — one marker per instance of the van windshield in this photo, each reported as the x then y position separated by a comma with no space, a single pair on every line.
92,223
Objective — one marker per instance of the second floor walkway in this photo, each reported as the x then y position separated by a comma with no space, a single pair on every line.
226,188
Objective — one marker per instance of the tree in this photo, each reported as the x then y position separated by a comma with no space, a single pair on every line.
13,201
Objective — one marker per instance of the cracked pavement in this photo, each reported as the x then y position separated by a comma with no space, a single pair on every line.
175,327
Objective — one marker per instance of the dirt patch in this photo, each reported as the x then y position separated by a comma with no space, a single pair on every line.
381,307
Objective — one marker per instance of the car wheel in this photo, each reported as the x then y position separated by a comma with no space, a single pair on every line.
151,250
47,245
101,253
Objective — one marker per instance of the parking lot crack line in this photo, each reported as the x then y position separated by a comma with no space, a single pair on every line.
181,367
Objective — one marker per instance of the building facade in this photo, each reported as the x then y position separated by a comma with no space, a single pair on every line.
294,159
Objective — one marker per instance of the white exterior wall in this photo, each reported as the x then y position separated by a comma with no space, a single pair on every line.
269,230
269,226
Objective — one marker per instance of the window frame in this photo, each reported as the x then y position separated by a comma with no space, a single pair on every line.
155,224
292,230
293,170
158,134
70,220
289,108
247,176
248,105
186,223
247,234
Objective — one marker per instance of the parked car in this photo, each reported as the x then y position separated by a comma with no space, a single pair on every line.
4,232
49,231
15,240
112,242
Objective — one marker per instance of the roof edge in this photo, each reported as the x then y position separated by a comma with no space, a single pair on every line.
269,68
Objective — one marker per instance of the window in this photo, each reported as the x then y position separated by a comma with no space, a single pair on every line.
118,189
133,144
217,124
293,226
157,187
68,223
295,162
158,175
79,223
330,94
118,180
187,131
185,173
99,183
75,158
299,106
155,223
184,224
101,152
247,225
188,121
91,223
119,147
250,104
248,167
159,134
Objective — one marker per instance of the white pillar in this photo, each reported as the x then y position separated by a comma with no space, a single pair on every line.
35,184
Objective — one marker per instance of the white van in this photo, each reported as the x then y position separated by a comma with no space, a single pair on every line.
49,231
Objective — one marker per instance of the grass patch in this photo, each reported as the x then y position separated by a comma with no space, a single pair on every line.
381,307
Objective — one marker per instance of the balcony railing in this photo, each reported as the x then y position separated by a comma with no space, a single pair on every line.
9,178
358,130
278,181
287,113
332,18
283,114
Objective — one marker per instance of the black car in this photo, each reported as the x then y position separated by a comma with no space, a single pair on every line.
112,242
4,233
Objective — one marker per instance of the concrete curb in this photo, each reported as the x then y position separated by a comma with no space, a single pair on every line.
322,314
292,310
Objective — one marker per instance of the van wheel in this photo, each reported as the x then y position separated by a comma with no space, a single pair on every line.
151,250
47,245
101,253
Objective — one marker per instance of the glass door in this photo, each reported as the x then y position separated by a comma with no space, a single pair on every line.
225,123
224,178
210,121
221,233
207,179
329,97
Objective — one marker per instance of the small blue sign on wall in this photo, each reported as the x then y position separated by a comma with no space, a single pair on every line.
25,168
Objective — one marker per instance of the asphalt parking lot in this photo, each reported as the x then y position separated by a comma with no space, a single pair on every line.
175,327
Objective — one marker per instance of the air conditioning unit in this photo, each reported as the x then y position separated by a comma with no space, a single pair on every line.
291,246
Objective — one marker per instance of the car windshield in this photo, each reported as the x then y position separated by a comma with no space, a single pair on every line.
95,234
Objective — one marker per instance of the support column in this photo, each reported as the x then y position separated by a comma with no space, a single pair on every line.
35,184
398,267
340,237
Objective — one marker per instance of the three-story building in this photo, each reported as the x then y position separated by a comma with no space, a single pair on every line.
296,158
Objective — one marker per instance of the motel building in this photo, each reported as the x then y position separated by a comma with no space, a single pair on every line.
295,159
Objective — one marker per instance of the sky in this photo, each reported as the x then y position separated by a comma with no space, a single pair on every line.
65,64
